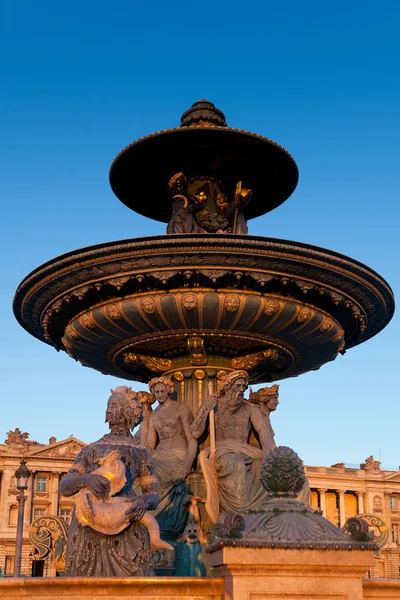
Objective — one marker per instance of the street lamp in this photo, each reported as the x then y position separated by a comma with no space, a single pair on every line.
22,475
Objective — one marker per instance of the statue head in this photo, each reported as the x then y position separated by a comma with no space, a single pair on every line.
267,396
161,388
123,408
234,386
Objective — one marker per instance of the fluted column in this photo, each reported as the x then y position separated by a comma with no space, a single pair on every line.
342,508
387,516
322,501
55,484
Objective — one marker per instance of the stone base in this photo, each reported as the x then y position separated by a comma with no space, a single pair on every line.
276,574
112,588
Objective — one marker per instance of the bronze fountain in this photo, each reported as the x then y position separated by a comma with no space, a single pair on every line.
205,300
190,305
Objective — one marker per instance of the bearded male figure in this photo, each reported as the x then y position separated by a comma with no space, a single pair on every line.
89,552
236,464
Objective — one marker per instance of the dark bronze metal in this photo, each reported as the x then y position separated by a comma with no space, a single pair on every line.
282,521
202,145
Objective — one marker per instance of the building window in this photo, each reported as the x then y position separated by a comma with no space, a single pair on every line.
13,515
395,534
41,483
66,514
9,566
38,512
393,503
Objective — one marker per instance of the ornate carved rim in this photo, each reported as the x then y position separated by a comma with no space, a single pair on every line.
348,291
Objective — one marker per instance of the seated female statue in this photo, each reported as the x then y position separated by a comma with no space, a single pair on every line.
174,449
89,551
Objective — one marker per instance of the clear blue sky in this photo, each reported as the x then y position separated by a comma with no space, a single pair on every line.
81,80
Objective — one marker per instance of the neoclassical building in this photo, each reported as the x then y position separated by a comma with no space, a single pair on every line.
338,491
48,463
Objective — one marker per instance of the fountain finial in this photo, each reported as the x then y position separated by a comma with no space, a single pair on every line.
203,114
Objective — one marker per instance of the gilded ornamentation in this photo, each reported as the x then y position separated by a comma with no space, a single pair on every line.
232,302
198,354
66,343
70,331
378,530
179,376
154,364
113,312
271,306
87,321
49,535
189,301
338,335
148,305
305,314
326,324
253,360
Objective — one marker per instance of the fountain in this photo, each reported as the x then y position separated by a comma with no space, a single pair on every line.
205,300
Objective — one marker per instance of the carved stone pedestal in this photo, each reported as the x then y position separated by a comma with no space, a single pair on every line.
271,573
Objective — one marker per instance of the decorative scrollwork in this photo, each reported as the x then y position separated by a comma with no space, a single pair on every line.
253,360
228,526
358,529
49,535
154,364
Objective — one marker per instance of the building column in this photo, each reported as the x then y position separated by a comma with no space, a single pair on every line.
55,493
322,501
360,503
29,501
387,516
342,508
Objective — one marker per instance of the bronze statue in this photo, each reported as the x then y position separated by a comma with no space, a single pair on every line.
127,553
200,206
267,399
232,470
174,450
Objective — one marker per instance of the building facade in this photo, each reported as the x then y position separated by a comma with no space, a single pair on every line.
340,492
48,464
